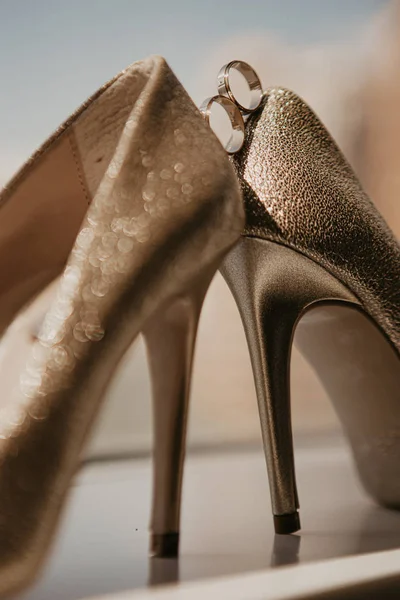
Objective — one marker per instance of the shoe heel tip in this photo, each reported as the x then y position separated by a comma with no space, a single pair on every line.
164,545
285,524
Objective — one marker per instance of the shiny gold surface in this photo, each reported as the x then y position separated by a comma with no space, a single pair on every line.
273,286
166,211
300,191
313,236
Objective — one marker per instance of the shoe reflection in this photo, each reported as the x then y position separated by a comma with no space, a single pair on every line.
375,529
378,529
285,550
163,571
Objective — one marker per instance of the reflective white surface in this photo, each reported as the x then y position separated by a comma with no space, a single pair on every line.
226,528
369,576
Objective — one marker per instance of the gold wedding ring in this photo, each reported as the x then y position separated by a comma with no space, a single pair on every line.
236,112
253,81
236,139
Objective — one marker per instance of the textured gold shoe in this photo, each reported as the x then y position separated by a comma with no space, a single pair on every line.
166,208
317,260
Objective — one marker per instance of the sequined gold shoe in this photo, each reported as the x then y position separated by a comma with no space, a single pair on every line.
165,207
316,262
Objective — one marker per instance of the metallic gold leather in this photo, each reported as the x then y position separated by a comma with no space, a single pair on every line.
273,286
300,191
303,202
166,211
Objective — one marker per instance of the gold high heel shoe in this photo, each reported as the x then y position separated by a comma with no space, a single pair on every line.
317,260
166,208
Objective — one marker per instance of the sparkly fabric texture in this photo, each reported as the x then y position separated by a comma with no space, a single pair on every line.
300,191
98,129
166,210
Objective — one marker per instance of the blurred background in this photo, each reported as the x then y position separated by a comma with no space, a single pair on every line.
342,56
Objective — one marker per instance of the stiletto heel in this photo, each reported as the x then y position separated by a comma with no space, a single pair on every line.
165,208
272,286
170,340
313,242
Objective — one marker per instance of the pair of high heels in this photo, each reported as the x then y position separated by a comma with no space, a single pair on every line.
162,210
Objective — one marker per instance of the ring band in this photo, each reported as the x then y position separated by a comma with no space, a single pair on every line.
254,83
236,140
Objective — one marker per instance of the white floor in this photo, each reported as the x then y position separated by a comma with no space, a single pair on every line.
226,525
